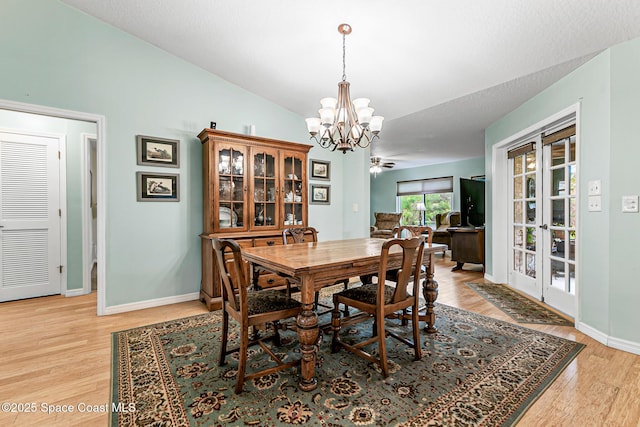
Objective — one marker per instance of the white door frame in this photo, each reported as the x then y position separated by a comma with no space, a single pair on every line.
500,200
100,122
87,239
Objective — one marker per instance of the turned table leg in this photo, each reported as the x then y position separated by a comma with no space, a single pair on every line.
307,323
430,292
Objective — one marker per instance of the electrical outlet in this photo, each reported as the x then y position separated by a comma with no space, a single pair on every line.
595,203
595,187
629,203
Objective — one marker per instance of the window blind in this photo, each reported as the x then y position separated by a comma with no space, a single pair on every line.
557,136
425,186
523,149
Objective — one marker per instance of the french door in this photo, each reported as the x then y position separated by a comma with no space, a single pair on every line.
543,212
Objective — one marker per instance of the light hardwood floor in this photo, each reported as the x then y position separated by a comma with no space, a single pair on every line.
56,351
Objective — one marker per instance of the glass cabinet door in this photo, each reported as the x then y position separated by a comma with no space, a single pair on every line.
292,192
265,197
232,186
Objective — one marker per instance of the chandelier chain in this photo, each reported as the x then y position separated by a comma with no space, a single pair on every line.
344,49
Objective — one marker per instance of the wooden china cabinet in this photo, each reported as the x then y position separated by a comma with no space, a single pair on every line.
253,188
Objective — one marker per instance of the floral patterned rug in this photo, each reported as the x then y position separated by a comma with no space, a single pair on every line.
517,306
474,371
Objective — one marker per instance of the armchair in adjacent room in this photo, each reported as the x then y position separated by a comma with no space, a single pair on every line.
385,223
444,221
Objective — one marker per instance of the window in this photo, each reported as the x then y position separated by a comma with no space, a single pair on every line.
436,194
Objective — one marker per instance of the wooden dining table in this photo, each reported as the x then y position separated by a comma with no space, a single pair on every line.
318,264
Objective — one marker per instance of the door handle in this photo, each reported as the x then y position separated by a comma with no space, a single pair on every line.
544,226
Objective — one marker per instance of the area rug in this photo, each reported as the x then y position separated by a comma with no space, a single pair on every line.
474,371
517,306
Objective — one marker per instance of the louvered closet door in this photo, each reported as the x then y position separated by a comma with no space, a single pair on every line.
29,218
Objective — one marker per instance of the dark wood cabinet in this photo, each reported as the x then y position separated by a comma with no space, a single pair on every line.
253,188
467,245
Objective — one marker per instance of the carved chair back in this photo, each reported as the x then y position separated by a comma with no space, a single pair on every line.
221,249
299,235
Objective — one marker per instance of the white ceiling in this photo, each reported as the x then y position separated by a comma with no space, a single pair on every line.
440,72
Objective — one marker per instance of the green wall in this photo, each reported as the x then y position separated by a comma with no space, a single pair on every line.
383,187
56,56
608,90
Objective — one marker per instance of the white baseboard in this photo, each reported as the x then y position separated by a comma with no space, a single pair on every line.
628,346
592,332
122,308
613,342
489,277
75,292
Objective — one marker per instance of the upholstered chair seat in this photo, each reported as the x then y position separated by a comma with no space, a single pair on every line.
260,302
368,293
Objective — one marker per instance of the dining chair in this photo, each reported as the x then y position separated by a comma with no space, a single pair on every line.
407,231
249,309
301,235
379,300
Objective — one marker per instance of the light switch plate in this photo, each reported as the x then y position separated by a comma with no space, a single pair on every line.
629,203
595,203
595,187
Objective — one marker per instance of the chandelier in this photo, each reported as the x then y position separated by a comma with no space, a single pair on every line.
344,125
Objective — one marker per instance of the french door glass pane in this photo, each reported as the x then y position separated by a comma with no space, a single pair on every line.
571,285
517,211
517,261
572,149
517,188
531,212
518,237
572,180
557,274
572,245
517,165
557,210
558,187
557,153
558,243
572,212
531,186
531,161
531,238
531,265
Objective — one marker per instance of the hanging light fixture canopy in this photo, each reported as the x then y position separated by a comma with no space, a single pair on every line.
344,125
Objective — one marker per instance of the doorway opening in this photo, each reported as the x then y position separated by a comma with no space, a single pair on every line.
99,194
535,211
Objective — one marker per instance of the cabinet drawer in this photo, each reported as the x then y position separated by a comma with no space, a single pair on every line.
268,241
245,243
270,280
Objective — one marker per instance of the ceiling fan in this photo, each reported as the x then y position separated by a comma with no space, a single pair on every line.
377,164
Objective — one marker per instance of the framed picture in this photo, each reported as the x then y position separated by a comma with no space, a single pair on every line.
319,194
320,169
158,151
158,187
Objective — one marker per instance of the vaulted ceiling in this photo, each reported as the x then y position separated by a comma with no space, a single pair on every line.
440,72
